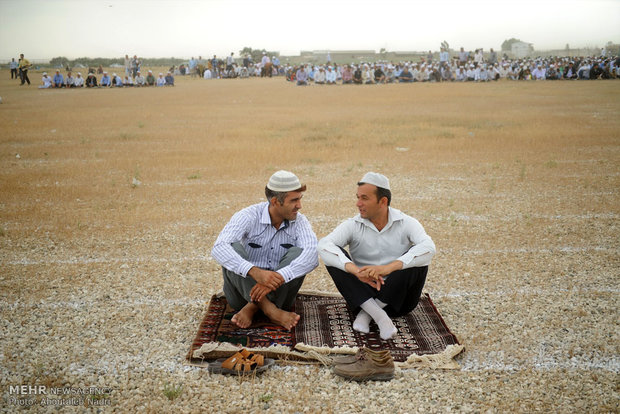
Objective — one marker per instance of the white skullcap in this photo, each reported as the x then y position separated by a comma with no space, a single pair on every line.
375,179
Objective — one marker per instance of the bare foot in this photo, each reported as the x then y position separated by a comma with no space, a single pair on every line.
243,318
278,316
283,318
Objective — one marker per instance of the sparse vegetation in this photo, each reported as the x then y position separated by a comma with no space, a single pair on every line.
172,392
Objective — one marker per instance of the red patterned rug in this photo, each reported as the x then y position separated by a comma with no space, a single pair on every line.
326,323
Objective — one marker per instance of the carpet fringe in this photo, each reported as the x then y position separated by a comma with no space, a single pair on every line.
443,360
325,350
228,347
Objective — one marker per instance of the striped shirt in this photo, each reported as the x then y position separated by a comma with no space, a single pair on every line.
264,244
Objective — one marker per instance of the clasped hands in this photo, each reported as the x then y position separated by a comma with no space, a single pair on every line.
266,281
373,274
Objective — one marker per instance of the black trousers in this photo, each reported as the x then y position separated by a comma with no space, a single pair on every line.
13,73
401,291
24,76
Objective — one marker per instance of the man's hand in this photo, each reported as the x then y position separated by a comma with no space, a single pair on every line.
270,279
258,292
375,282
381,271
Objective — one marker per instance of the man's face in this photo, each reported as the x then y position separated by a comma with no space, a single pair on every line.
367,202
292,204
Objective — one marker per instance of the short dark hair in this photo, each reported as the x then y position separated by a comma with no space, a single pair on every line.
384,192
279,195
381,192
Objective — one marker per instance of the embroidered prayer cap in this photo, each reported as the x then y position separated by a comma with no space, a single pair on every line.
375,179
285,181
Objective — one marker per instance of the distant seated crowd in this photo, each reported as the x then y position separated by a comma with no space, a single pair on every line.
457,70
465,67
228,68
106,81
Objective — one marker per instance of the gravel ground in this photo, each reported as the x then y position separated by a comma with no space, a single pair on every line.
104,283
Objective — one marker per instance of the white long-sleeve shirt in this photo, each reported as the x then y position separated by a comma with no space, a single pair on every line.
264,244
403,238
539,73
330,76
47,82
319,76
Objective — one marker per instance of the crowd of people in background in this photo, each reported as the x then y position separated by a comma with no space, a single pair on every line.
463,66
133,76
216,68
106,80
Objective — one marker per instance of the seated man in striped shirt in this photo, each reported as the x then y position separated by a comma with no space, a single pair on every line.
265,251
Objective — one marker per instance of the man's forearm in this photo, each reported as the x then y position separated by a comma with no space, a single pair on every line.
394,266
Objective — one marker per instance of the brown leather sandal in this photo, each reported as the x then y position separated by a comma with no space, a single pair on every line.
242,362
239,362
256,358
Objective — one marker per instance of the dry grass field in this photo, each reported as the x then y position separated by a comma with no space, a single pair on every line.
111,201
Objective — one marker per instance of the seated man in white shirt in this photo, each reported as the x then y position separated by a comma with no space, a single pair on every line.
140,80
161,81
78,82
539,72
330,76
383,273
265,251
46,81
319,76
69,81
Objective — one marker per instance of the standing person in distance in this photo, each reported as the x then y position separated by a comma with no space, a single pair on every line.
24,65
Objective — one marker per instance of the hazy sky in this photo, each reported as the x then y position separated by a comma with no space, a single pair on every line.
43,29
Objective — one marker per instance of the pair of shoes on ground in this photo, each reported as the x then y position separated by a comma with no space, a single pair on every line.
241,363
366,365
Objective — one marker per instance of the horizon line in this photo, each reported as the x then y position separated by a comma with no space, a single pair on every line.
499,51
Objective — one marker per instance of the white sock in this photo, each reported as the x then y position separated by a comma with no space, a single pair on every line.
383,321
381,304
362,322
